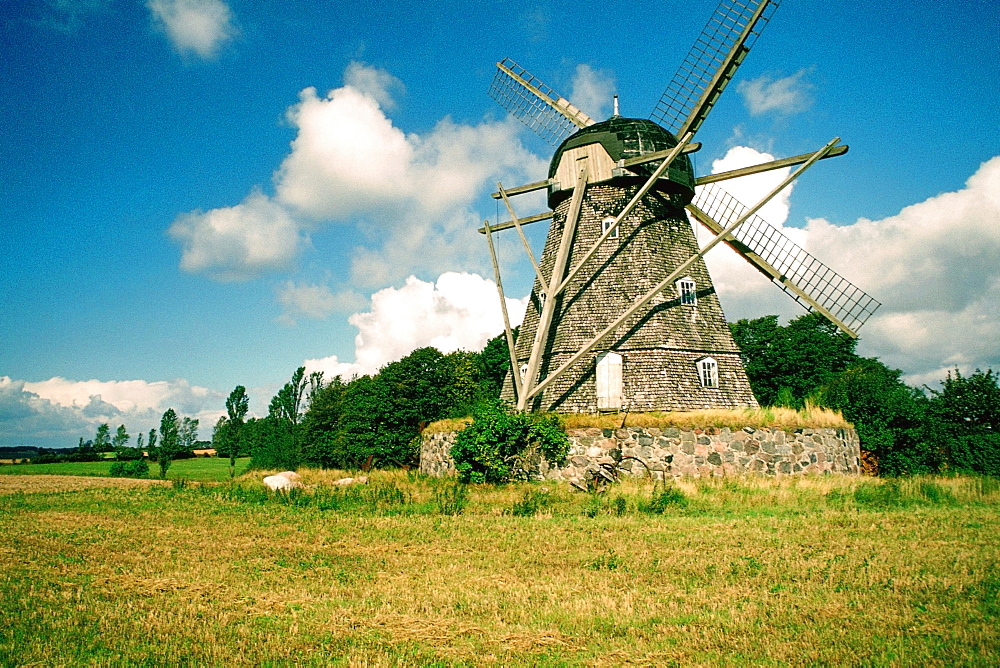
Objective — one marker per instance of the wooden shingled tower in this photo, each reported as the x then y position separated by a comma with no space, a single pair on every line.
623,313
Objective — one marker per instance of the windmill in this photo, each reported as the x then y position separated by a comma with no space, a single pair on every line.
623,312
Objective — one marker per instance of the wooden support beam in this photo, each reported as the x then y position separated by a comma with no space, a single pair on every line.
520,190
558,268
767,166
523,221
514,377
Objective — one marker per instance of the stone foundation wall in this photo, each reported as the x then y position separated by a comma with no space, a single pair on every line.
673,452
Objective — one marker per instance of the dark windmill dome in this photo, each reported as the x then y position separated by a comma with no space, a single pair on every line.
622,139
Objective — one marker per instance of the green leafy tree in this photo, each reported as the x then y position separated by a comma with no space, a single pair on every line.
965,420
889,417
187,436
787,364
287,403
494,363
169,445
322,423
102,439
237,406
501,445
121,438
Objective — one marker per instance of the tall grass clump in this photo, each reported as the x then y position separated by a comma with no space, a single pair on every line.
451,498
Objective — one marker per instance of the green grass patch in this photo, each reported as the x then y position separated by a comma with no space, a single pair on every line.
197,469
782,571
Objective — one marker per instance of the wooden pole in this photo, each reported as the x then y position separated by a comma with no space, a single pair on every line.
514,377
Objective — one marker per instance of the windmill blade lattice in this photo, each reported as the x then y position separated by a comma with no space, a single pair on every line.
536,105
711,63
805,278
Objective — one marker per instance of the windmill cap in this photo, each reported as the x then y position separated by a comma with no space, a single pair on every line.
625,138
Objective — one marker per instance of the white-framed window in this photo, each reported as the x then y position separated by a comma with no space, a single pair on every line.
541,301
523,371
605,224
708,372
687,290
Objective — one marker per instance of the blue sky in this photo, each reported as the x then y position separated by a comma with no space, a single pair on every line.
197,194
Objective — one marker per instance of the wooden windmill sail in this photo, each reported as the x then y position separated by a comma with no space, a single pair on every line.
623,311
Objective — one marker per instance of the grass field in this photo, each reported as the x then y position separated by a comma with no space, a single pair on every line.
788,571
198,469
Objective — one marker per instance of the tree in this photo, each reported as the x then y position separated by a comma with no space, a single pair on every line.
287,403
102,440
169,442
786,364
237,406
187,436
965,420
321,424
888,415
121,438
494,363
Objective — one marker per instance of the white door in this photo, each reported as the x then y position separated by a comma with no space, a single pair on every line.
609,381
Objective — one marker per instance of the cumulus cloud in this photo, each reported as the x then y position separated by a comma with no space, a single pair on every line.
593,91
458,312
376,83
194,26
58,411
238,242
409,198
303,300
933,266
787,95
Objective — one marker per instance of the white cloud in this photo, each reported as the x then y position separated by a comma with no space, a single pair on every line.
459,312
238,242
408,198
593,91
787,95
374,82
194,26
302,300
58,411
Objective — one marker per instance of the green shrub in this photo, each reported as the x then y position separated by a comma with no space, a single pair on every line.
501,445
137,468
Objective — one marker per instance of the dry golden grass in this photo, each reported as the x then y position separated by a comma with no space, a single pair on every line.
775,417
752,571
67,483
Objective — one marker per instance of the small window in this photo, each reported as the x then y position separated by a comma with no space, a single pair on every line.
687,291
524,371
605,224
541,301
708,372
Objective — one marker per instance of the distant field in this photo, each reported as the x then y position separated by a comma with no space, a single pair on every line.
199,469
749,571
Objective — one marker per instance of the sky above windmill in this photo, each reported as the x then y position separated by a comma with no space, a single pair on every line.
197,194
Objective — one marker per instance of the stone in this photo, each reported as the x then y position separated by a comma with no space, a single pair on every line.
279,483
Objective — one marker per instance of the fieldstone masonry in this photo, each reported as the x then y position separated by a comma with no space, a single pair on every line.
673,452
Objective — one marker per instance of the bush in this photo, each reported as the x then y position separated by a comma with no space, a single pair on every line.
501,445
136,468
